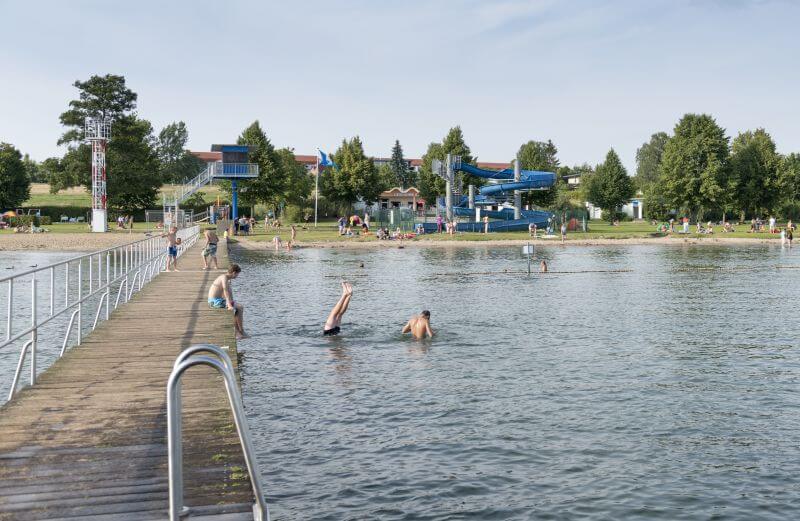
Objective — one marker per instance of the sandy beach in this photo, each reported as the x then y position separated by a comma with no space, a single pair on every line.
65,241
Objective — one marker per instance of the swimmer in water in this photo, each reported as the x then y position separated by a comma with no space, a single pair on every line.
333,324
419,326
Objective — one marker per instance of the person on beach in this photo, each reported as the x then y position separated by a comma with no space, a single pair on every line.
419,326
789,236
294,235
532,230
172,248
276,241
210,249
439,223
485,224
220,296
771,224
366,220
333,324
563,231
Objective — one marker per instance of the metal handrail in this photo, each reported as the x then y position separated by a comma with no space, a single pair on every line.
222,363
131,259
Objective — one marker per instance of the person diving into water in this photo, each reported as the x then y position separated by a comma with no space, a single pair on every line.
333,324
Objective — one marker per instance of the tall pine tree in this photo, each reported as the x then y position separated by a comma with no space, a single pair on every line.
403,175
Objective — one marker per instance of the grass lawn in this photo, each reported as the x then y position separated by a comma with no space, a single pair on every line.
327,232
84,228
41,196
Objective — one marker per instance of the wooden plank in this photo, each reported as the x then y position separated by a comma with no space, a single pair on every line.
89,440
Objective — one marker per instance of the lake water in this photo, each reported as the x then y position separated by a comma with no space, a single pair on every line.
51,335
667,392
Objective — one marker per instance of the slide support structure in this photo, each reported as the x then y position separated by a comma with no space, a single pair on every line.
448,203
517,193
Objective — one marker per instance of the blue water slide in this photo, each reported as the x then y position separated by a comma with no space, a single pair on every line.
503,218
528,179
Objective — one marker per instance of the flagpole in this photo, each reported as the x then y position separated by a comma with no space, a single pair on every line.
316,192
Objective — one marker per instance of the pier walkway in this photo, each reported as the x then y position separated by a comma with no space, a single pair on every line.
89,440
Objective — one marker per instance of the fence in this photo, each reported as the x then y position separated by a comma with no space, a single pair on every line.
46,306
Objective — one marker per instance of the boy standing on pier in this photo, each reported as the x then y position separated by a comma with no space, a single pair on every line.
220,296
172,248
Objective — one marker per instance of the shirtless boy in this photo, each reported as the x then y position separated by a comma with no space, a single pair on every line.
419,326
211,248
172,248
220,296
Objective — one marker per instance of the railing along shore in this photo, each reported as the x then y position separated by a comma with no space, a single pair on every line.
70,286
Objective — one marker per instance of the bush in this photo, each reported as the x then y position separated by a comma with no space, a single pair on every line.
617,216
293,214
23,220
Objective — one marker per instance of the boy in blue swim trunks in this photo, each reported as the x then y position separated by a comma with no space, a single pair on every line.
220,296
172,248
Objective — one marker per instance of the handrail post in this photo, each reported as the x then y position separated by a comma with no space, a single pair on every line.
9,318
17,373
66,285
80,297
52,290
34,333
108,284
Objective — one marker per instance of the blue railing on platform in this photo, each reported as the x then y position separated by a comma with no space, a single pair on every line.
235,170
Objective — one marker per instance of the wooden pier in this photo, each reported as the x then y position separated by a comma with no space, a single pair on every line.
89,440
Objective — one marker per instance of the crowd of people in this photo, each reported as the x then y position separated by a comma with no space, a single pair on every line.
757,225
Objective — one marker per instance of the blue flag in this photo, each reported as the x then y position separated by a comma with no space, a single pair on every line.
323,159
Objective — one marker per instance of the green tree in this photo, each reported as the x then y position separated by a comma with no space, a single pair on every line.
431,185
132,164
789,182
648,160
403,175
754,166
47,167
387,177
133,178
299,184
610,187
354,178
176,163
540,155
35,174
100,97
269,186
694,174
15,186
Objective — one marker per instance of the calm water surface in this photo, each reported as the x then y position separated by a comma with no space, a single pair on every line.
51,335
665,392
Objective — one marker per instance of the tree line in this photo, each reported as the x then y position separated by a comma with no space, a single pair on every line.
700,172
696,171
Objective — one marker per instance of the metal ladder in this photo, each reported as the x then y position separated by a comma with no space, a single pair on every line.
213,356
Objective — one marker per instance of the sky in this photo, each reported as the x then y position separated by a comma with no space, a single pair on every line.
589,75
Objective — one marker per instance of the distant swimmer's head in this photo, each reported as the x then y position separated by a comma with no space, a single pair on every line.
426,314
